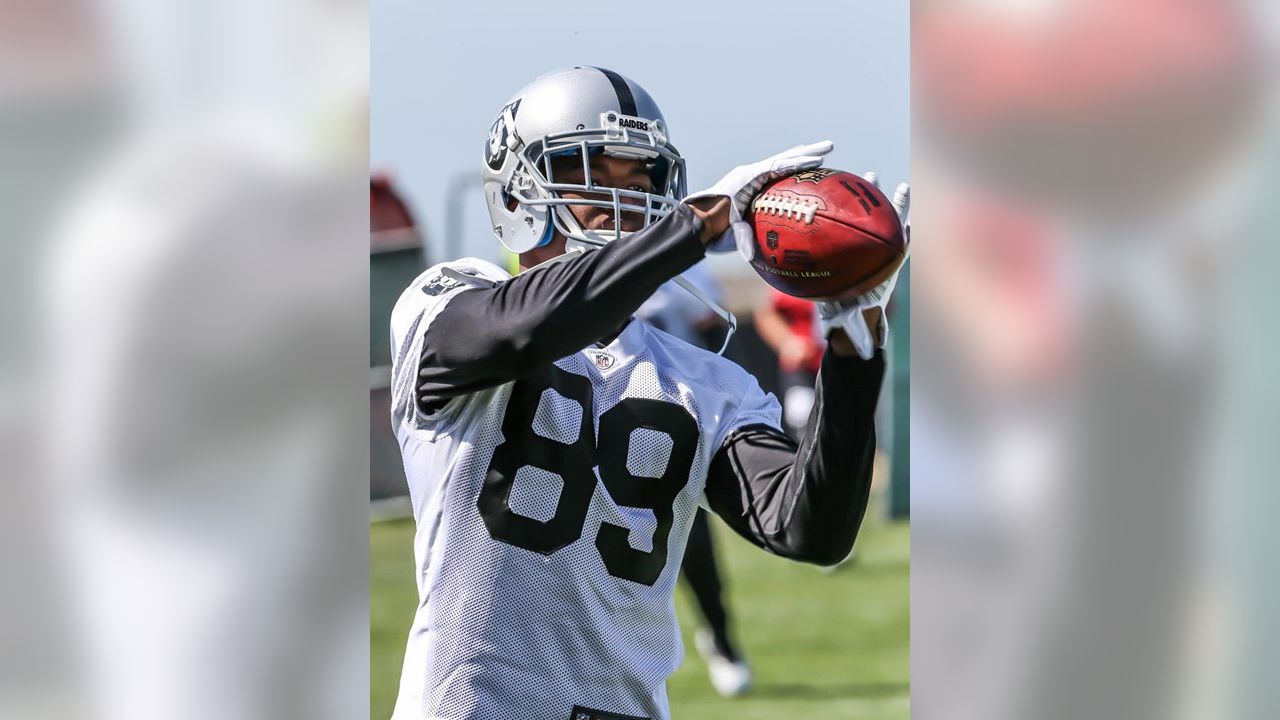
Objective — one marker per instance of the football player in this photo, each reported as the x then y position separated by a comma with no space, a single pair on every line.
557,452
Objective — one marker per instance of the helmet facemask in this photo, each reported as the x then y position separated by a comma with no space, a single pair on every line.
538,191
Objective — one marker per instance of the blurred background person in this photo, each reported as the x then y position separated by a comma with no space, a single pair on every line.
676,311
789,326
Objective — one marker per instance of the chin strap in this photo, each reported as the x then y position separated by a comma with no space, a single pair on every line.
720,312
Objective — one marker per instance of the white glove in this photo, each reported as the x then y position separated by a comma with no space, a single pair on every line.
744,182
848,314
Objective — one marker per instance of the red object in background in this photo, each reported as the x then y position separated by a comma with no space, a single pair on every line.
825,234
801,317
391,224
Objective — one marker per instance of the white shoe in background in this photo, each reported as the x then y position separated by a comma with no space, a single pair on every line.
730,678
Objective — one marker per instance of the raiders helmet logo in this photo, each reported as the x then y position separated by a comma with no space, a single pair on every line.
496,149
815,175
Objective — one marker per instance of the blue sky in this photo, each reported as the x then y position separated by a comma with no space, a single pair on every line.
736,81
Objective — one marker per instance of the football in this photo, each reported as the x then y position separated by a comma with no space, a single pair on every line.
825,234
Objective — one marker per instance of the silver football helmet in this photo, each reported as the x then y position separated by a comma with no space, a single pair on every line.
578,112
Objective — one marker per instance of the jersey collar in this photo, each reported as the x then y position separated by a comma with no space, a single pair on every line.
620,350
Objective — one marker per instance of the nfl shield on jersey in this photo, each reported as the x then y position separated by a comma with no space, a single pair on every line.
552,514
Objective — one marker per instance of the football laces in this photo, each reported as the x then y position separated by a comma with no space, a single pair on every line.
786,206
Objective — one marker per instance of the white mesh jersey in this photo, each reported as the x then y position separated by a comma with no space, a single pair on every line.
552,514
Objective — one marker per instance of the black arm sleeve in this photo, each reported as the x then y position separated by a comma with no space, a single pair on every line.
805,502
487,336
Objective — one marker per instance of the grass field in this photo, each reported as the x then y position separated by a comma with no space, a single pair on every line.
822,645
